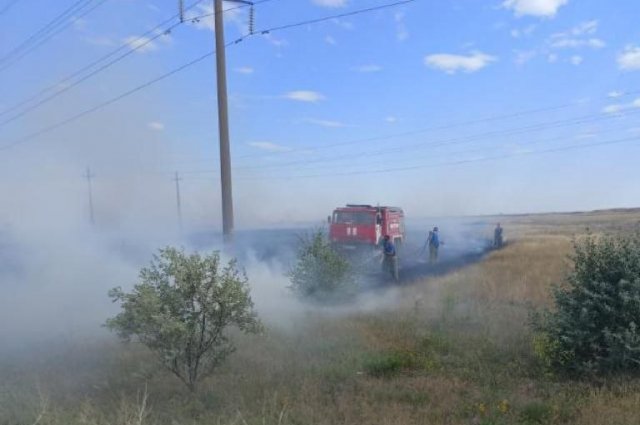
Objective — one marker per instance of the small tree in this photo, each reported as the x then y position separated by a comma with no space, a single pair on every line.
320,273
595,325
182,309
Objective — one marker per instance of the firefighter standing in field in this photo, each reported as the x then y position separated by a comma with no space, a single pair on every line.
390,259
497,237
433,242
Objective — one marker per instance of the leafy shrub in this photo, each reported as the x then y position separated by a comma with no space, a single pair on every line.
320,273
182,309
594,326
392,363
536,412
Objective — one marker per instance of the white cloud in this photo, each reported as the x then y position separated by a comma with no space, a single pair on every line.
541,8
621,107
269,146
451,63
391,119
615,94
402,33
367,68
80,24
587,27
575,43
629,59
613,109
164,36
237,16
576,60
275,41
304,96
330,3
156,126
589,134
576,37
245,70
330,40
345,25
326,123
524,56
141,44
523,32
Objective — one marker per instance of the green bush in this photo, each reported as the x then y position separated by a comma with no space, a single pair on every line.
384,365
536,412
182,309
320,273
594,326
390,364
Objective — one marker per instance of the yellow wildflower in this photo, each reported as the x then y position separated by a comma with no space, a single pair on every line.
482,408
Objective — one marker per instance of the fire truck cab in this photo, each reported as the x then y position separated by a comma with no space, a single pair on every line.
356,226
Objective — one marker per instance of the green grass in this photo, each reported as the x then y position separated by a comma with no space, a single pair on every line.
536,412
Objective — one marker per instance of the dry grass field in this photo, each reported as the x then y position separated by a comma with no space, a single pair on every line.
454,349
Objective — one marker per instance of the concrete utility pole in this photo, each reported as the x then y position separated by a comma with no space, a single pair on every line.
223,120
223,124
178,202
89,176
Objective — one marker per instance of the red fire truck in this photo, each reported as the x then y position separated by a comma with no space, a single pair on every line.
358,226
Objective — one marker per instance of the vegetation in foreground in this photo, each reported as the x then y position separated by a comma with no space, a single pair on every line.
320,274
593,328
182,310
457,349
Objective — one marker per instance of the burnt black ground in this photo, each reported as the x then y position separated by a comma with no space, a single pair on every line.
461,249
465,241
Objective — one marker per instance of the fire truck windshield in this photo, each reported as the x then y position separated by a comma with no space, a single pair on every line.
359,217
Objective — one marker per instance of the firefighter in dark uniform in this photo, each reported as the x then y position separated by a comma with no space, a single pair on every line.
390,258
433,242
497,237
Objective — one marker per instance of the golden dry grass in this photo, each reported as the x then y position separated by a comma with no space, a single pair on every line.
454,349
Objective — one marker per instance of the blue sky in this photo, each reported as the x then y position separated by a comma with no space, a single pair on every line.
442,107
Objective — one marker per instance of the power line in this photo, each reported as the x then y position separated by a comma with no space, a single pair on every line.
47,32
456,140
138,44
499,117
45,29
430,156
107,103
338,16
52,35
448,141
138,40
66,88
459,162
8,6
102,105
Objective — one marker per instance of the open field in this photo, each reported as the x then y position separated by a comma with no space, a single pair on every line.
451,349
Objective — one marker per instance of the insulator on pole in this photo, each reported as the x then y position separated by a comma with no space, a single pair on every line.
181,8
251,20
